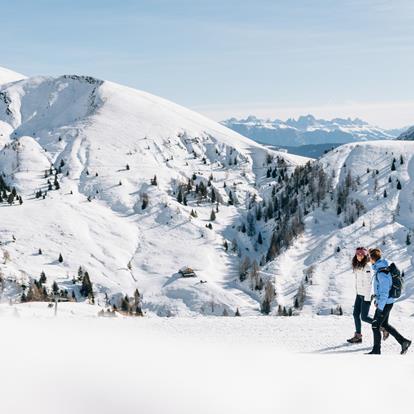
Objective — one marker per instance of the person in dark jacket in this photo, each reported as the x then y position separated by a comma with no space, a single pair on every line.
384,303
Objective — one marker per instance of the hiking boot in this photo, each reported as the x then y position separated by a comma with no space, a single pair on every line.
404,346
385,334
356,339
373,352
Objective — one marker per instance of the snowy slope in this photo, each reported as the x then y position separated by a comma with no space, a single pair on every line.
407,135
307,130
108,141
193,365
7,76
384,223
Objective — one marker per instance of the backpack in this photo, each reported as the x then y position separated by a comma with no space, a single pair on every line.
397,280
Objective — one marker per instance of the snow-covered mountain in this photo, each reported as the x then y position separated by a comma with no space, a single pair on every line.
407,135
7,75
307,130
128,187
370,203
124,185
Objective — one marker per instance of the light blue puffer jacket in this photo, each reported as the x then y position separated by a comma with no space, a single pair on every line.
382,284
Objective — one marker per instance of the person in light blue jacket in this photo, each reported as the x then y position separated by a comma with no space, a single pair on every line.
384,303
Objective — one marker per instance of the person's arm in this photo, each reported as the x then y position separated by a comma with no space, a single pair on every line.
368,283
384,286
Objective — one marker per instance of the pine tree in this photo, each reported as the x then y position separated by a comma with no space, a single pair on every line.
40,251
60,258
385,194
408,240
127,167
231,201
237,312
180,196
86,289
212,215
393,168
213,196
226,245
399,186
401,160
125,306
55,288
42,278
259,238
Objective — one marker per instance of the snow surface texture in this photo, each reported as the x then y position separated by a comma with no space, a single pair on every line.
195,365
96,129
308,130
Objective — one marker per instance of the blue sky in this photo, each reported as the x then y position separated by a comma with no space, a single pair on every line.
228,57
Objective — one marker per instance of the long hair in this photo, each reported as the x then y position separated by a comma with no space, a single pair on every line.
359,265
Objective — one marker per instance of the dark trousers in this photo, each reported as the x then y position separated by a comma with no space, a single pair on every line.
361,310
381,320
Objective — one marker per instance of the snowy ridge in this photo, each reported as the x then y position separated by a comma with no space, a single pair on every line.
92,149
7,76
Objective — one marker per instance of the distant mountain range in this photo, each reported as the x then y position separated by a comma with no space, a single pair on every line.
307,130
408,134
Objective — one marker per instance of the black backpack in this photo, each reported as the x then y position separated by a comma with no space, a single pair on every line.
397,280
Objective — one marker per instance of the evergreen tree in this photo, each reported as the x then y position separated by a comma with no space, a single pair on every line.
213,196
408,240
399,186
180,196
385,194
40,251
231,201
42,278
226,245
125,306
127,167
401,160
212,215
86,289
259,238
60,258
55,288
237,312
393,168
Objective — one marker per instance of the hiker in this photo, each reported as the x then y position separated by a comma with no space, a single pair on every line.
383,302
363,286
